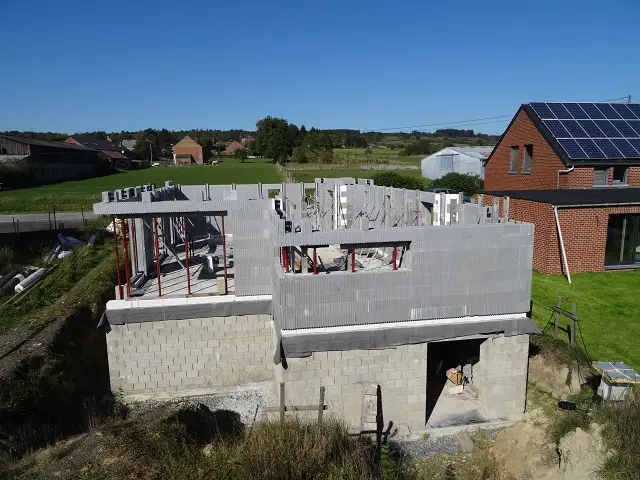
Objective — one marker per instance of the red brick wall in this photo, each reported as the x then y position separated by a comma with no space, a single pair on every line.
584,231
187,147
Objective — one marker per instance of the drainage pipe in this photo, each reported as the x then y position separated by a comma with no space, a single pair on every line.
33,278
562,250
8,277
568,170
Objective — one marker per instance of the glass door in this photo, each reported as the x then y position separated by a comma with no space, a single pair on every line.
623,240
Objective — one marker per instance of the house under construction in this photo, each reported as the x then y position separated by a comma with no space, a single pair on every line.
362,289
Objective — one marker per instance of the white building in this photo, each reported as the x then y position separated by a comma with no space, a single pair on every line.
468,160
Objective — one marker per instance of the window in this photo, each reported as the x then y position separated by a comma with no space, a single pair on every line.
600,177
623,240
619,174
3,151
527,161
513,163
446,162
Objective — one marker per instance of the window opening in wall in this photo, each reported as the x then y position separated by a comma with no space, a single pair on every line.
620,175
527,162
623,240
600,177
513,163
345,258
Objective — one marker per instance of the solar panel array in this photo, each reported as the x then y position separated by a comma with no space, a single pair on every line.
593,131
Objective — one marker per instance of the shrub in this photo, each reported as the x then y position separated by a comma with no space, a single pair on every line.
468,184
326,157
299,155
397,180
421,147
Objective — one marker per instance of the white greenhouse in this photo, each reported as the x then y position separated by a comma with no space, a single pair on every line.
468,160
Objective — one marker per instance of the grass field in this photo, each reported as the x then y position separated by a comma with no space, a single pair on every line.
310,175
74,195
607,306
380,155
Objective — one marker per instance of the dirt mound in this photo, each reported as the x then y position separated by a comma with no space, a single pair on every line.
554,377
582,453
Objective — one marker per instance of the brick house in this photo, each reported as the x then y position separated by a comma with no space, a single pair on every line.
108,150
233,147
187,151
573,170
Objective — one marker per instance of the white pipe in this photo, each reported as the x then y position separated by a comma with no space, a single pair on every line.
568,170
33,278
562,251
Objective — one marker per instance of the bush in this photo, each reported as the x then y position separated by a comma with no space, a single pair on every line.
421,147
326,157
397,180
299,155
468,184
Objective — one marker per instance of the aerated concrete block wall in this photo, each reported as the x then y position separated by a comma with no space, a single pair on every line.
501,376
400,372
455,271
177,355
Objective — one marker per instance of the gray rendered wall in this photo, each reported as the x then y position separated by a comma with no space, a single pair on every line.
455,271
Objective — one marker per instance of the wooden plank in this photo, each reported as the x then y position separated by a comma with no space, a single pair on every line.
282,407
321,406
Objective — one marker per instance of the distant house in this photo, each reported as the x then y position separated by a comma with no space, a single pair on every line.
468,160
129,144
39,161
187,151
233,147
110,151
247,140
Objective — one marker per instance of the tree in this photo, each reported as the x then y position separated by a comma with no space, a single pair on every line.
299,155
240,154
421,147
273,138
390,178
468,184
147,145
207,146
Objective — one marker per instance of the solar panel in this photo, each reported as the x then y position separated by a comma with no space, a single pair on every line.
635,124
556,128
591,128
559,110
623,127
608,111
574,129
542,111
591,110
625,147
575,110
622,110
635,108
608,129
608,148
590,148
572,148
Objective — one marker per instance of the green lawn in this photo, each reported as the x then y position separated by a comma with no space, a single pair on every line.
310,175
73,195
608,307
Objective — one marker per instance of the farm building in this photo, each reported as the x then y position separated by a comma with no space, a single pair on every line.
27,161
187,151
110,151
468,160
573,170
371,292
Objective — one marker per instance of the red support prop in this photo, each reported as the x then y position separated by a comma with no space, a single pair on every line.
186,255
157,247
282,257
125,247
395,258
315,262
353,260
224,257
286,260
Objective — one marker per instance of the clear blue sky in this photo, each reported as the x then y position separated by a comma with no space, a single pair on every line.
126,65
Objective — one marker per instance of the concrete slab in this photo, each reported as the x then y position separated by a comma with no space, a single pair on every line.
455,410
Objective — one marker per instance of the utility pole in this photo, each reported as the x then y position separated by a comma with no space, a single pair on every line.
629,99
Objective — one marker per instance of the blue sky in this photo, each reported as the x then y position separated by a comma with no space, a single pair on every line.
82,65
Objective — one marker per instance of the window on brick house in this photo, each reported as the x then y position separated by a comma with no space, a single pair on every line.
620,174
527,161
600,177
513,161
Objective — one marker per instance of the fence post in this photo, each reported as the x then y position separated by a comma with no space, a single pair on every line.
555,328
281,402
321,406
573,325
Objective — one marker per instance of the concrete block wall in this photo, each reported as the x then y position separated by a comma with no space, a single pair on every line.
501,376
400,372
176,355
